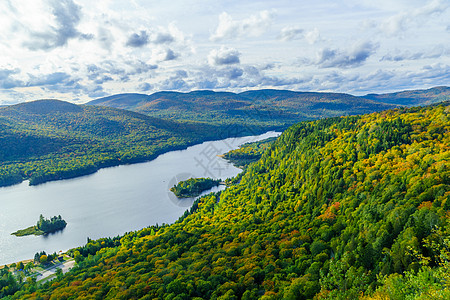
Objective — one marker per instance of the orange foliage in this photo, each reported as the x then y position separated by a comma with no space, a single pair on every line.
76,283
425,204
330,212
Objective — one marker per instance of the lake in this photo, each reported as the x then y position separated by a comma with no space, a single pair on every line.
112,201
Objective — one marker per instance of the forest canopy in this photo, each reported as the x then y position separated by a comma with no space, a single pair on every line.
51,140
340,208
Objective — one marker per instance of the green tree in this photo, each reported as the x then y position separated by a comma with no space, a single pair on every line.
43,259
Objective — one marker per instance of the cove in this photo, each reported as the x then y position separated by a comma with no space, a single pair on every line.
112,201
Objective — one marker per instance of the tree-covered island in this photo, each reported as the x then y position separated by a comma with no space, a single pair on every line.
43,226
193,187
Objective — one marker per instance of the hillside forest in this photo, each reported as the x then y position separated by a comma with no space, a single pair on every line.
350,207
50,140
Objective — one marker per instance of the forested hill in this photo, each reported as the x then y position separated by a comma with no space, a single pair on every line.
414,97
275,106
50,139
340,208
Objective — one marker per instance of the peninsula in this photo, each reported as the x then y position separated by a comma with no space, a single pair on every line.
193,187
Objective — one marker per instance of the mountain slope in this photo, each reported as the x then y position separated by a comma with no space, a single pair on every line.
123,101
331,208
275,107
413,97
50,139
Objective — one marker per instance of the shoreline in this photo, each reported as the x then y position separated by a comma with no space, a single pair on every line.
151,157
20,261
252,137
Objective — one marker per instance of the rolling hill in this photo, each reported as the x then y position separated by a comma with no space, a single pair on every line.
413,97
340,208
49,139
275,107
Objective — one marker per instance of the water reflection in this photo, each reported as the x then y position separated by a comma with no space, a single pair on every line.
110,202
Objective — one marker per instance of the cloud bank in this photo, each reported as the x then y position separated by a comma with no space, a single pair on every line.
77,50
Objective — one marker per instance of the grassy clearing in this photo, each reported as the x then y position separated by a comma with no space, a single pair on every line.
29,231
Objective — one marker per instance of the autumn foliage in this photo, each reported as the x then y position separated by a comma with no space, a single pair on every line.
335,209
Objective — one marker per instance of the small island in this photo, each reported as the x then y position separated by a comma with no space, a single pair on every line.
43,226
193,187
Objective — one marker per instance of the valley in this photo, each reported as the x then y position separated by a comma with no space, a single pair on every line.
340,207
224,150
110,202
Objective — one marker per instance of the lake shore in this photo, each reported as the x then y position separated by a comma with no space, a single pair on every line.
119,162
90,203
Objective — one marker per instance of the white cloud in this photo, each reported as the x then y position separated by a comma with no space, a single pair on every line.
76,49
144,87
64,17
159,35
163,54
404,20
138,39
291,33
105,38
312,36
223,56
255,25
357,55
433,53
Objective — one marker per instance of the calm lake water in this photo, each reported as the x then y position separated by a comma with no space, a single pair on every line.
111,202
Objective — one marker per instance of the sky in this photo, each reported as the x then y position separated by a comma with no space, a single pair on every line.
79,50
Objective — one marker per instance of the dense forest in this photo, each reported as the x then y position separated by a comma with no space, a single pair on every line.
49,140
339,208
193,187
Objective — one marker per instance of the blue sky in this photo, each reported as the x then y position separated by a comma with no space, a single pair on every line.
78,50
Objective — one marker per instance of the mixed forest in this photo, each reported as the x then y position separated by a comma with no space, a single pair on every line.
50,140
341,208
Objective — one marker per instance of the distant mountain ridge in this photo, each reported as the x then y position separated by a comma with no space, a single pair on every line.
142,102
268,105
413,97
127,128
